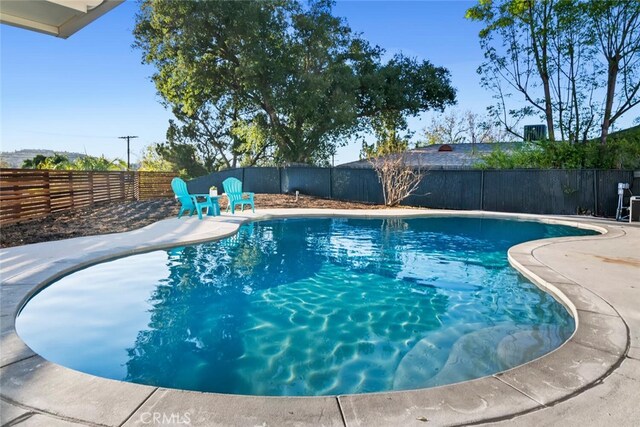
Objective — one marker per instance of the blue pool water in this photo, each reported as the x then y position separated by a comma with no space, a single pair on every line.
307,307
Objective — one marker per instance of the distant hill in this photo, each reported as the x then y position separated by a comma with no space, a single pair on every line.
15,158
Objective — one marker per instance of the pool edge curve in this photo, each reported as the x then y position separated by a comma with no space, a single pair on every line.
597,347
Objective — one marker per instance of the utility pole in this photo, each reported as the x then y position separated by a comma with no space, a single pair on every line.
128,137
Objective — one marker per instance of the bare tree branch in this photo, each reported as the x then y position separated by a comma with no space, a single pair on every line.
399,180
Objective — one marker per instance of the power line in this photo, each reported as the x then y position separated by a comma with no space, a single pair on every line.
64,134
128,138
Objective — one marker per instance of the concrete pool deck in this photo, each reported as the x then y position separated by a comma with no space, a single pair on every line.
592,379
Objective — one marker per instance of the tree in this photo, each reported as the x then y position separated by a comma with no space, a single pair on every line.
553,53
273,64
152,161
398,178
254,145
57,161
33,163
449,128
455,127
257,82
184,156
91,163
574,72
202,140
84,163
392,92
616,24
521,29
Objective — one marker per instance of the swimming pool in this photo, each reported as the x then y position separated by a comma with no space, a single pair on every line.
307,307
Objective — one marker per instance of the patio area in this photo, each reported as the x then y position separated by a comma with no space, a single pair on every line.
594,378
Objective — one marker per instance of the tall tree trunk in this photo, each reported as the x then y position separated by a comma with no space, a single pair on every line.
611,92
540,47
548,106
575,101
560,103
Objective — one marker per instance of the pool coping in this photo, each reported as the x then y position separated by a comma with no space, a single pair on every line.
32,386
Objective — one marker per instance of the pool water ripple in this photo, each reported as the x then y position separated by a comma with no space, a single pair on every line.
307,307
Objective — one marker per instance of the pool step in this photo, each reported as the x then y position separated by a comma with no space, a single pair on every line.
473,355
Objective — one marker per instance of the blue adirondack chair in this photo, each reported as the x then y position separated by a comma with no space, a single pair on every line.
190,202
233,189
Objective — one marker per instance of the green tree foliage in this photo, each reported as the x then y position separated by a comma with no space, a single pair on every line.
575,62
256,146
520,29
184,157
33,163
91,163
392,92
152,161
55,162
272,64
622,151
455,127
85,163
257,82
616,25
390,144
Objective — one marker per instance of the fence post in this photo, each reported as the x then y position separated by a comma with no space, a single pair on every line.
91,187
108,177
71,189
331,183
279,180
123,196
136,185
130,186
482,190
47,186
595,192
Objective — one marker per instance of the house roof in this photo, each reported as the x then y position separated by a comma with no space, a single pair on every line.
60,18
445,156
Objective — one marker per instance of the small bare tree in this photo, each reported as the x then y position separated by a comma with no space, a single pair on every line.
398,178
461,127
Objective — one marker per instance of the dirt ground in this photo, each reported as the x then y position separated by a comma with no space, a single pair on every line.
116,217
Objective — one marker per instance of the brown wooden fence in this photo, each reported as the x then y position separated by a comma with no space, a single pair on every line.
29,194
151,185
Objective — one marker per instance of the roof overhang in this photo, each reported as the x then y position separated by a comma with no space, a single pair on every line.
60,18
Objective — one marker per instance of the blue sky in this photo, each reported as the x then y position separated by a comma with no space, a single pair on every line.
81,93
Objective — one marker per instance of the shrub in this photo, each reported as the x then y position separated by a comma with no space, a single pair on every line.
622,152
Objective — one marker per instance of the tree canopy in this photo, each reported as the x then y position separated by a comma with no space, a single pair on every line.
84,163
393,91
457,127
575,63
258,82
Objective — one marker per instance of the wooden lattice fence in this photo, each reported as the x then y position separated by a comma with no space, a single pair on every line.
31,193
